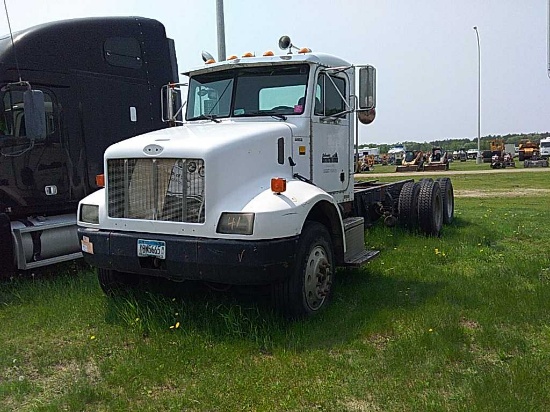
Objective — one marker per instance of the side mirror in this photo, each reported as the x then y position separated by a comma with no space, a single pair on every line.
367,88
35,114
172,103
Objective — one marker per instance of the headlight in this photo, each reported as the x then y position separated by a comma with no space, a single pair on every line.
89,214
236,223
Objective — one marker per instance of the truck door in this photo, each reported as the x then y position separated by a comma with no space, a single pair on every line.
33,171
331,135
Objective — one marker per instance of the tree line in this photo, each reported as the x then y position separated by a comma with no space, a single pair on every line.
465,143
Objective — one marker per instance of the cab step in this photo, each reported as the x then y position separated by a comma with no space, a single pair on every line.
356,255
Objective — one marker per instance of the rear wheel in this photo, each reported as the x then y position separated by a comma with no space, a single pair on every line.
430,208
308,288
113,282
408,205
447,195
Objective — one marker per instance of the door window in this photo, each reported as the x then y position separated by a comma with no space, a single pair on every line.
12,117
329,96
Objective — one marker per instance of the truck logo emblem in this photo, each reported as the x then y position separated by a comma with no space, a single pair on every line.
153,149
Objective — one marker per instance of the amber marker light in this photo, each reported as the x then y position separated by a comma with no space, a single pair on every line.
248,55
269,53
232,57
100,180
210,61
278,185
304,50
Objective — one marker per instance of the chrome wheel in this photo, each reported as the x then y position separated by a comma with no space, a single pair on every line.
317,277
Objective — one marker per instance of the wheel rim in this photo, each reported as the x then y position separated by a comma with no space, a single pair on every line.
438,210
318,278
450,203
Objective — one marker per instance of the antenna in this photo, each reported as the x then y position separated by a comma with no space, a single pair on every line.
12,42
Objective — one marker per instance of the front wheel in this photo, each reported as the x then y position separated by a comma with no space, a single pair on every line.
113,282
308,288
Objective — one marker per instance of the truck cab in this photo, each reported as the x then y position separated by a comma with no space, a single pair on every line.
100,79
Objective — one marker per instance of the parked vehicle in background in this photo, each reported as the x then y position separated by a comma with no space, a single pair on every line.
100,78
528,149
545,148
472,153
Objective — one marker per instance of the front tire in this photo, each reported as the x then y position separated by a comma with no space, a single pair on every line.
309,287
114,283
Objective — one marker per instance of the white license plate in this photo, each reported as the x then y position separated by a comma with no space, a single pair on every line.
154,248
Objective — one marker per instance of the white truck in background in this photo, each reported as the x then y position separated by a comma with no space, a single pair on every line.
545,148
256,186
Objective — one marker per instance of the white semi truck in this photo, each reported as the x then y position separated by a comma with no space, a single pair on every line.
255,187
545,148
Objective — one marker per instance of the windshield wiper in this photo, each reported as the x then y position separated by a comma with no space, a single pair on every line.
206,117
268,113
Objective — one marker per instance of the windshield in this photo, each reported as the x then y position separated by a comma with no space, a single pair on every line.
243,92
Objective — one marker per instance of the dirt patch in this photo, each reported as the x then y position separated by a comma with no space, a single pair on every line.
502,193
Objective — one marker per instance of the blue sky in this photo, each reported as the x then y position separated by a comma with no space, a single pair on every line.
425,52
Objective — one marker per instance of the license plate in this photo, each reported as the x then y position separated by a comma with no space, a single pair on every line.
154,248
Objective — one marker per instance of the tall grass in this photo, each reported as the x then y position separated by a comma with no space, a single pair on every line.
458,323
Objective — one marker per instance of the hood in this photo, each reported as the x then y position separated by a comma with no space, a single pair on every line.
198,140
240,158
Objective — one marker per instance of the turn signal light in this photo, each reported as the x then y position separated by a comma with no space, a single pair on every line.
100,180
278,185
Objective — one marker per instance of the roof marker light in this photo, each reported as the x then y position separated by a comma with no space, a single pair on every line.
232,57
269,53
304,50
248,54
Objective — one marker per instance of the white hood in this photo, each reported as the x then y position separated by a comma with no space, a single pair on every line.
198,140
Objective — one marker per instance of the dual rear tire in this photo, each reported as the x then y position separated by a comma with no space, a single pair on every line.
426,205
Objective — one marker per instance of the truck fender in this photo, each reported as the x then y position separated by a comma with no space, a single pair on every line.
284,214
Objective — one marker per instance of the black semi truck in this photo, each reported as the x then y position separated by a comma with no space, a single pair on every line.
101,80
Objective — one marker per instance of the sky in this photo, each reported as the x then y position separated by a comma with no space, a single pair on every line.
425,52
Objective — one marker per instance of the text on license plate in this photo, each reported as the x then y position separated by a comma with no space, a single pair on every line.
154,248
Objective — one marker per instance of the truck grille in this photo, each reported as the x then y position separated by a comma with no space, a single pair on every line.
156,189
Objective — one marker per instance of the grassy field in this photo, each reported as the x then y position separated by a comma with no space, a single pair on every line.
457,323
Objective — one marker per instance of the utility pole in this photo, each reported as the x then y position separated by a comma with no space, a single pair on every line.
221,30
479,160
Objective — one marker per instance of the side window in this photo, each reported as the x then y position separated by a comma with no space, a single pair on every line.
329,95
12,117
123,52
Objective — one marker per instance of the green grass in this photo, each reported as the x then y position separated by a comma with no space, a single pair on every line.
457,323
